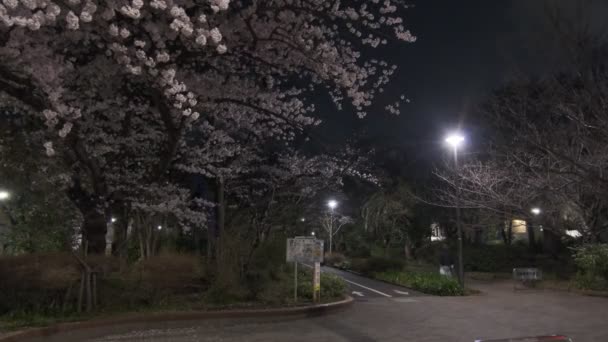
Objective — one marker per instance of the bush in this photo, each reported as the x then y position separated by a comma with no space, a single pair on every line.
592,263
497,258
172,272
332,287
281,291
381,264
430,283
336,260
36,282
376,264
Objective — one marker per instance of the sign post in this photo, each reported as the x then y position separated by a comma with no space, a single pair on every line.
316,283
306,250
295,282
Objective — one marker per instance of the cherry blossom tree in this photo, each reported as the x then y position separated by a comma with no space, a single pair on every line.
136,95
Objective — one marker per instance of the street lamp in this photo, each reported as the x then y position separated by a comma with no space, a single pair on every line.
4,195
532,242
159,227
113,219
455,140
332,204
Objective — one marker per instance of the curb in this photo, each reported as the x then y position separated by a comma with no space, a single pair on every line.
307,311
574,290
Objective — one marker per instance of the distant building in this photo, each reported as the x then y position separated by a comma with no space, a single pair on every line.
437,233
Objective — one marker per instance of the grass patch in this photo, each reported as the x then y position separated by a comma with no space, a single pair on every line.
429,283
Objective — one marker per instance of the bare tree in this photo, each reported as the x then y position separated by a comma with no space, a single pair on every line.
548,144
332,223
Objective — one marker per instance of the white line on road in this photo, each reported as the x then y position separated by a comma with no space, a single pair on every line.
401,292
360,294
367,288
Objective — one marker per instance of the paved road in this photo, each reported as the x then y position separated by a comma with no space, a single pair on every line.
498,313
362,288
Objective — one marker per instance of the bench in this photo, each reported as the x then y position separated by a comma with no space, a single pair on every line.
528,277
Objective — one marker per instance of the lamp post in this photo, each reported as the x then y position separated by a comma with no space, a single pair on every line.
332,204
4,195
531,234
456,140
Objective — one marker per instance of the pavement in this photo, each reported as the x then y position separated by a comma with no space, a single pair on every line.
362,288
382,313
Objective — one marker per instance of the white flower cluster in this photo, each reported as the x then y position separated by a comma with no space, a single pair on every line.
48,146
159,4
219,5
181,22
67,127
72,21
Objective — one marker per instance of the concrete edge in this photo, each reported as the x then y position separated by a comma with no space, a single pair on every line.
591,293
307,311
573,289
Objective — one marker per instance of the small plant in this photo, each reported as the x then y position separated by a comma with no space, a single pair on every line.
429,283
592,264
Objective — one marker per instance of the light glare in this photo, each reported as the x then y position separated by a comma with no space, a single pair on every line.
4,195
332,204
455,140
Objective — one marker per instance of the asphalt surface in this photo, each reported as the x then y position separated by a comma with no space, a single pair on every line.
498,312
362,288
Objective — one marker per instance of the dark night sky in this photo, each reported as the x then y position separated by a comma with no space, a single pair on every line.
465,49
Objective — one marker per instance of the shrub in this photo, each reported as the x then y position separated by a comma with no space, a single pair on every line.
36,282
592,263
332,287
281,291
497,258
430,283
335,259
380,264
169,272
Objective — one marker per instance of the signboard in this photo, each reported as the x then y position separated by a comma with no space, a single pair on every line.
307,250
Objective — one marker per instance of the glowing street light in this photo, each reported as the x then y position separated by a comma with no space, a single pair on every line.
159,227
455,140
113,219
4,195
302,219
535,211
332,204
313,233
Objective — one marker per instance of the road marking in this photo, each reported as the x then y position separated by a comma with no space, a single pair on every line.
360,294
401,292
367,288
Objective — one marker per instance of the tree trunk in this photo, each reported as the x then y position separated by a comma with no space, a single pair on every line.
94,230
531,237
221,218
509,237
407,249
210,243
